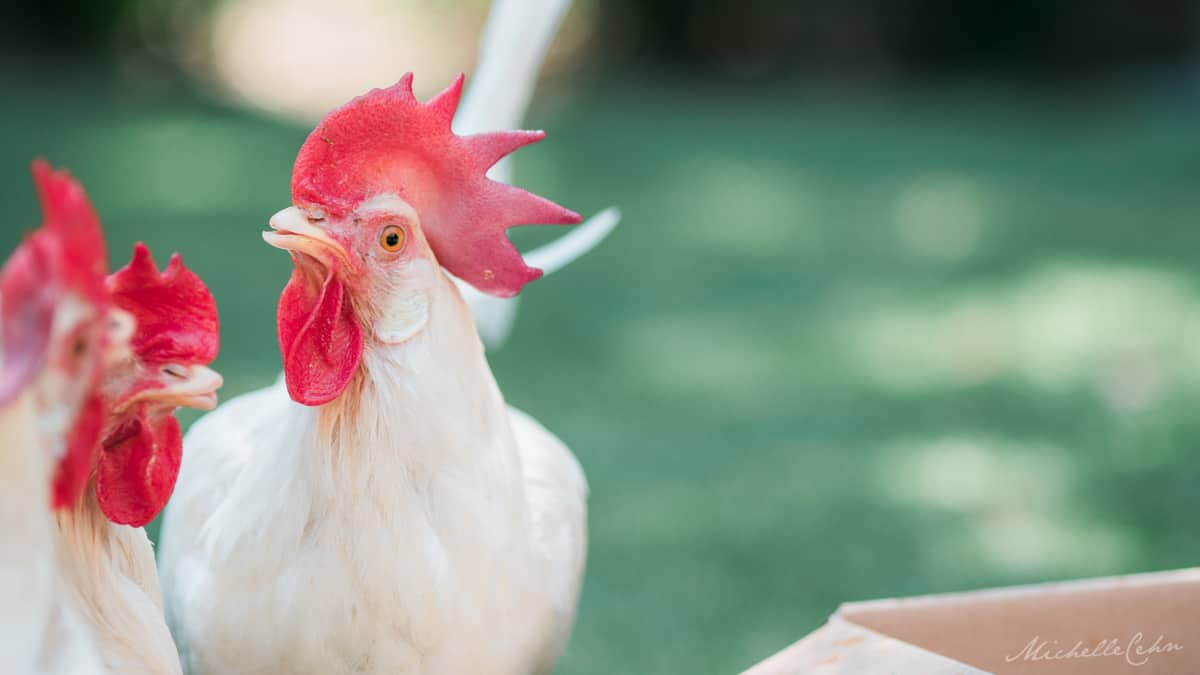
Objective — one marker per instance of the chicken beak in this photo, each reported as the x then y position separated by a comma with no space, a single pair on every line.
189,386
179,386
293,231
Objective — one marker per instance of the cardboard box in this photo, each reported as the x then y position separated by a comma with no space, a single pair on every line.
1147,624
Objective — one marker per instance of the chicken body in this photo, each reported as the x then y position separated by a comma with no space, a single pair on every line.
416,524
56,334
92,366
105,559
41,630
108,569
381,509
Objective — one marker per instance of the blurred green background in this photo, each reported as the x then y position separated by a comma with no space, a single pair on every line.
904,300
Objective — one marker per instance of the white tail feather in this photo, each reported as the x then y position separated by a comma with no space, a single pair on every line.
515,40
562,251
494,316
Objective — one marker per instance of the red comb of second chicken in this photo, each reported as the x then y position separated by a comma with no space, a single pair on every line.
387,141
69,216
176,326
175,312
66,253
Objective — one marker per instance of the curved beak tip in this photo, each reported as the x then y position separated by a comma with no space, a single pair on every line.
188,387
205,402
291,230
275,239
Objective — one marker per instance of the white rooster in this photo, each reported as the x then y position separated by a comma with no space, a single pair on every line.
382,510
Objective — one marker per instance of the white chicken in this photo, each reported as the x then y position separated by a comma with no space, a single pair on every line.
56,335
105,558
381,509
92,370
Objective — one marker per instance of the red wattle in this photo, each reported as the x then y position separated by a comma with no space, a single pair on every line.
74,467
137,470
320,339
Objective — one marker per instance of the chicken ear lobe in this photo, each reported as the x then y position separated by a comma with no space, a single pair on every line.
136,472
319,337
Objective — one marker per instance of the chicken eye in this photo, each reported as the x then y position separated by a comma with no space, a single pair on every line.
392,238
79,347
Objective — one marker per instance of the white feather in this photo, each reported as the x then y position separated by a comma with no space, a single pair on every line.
556,491
515,40
78,594
563,251
40,629
109,571
494,316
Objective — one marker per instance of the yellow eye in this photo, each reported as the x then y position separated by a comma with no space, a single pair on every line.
392,239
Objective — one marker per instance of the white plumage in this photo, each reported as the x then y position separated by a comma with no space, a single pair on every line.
108,571
79,595
415,525
41,630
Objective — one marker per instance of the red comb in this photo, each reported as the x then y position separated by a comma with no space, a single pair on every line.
68,215
67,252
175,312
388,142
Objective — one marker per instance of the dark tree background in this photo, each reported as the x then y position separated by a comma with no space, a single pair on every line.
1024,37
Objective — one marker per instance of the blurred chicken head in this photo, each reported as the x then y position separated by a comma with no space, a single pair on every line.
384,194
58,331
175,340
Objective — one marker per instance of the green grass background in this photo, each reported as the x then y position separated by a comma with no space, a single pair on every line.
846,343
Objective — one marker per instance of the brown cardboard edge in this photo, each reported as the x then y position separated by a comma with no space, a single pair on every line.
1021,629
784,660
821,649
1186,575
